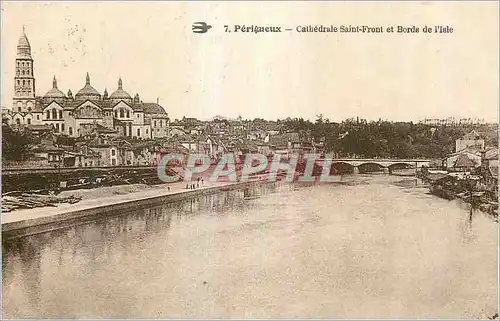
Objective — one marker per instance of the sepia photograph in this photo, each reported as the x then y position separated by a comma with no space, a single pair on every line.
249,160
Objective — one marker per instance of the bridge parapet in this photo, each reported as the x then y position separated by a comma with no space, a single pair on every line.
382,162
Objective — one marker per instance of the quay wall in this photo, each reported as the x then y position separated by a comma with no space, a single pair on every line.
58,221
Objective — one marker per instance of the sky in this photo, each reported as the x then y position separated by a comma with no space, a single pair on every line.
150,45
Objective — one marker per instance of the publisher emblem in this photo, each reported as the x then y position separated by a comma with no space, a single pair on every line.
201,27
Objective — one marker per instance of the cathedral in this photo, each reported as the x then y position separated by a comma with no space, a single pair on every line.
87,110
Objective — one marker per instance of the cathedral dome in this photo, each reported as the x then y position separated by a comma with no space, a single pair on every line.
54,92
120,93
87,92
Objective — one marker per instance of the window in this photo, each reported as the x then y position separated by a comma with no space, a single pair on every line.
113,152
138,132
37,117
62,127
48,114
54,114
116,113
60,114
19,82
23,72
113,162
22,64
155,123
161,123
70,131
28,82
57,127
146,131
137,115
121,113
24,82
18,121
19,109
28,121
128,114
29,109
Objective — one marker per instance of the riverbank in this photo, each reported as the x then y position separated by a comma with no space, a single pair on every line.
451,187
105,201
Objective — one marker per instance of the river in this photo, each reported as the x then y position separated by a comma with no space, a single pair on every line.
374,247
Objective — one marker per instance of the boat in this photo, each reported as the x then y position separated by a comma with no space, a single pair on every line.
442,192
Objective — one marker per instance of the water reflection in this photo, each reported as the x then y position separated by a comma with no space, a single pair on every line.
375,247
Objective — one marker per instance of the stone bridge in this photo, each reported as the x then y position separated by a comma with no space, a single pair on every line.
386,163
383,162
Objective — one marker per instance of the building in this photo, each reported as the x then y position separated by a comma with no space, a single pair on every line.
489,169
466,158
77,115
471,139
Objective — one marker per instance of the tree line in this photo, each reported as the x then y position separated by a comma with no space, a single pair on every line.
358,137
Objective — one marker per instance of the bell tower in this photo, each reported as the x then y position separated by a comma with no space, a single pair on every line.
24,80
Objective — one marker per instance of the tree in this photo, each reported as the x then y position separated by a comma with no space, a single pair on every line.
16,143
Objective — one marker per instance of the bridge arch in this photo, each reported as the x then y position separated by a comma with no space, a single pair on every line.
401,165
370,167
342,168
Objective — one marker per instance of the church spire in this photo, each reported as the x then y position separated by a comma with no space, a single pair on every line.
54,82
120,84
87,79
23,46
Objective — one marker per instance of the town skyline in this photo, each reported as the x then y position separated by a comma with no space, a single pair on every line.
200,77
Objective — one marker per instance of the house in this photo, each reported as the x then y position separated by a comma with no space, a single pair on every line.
471,139
282,143
489,168
464,163
195,131
469,157
111,153
176,132
236,126
49,153
83,158
263,147
214,147
189,143
256,134
41,129
177,125
242,147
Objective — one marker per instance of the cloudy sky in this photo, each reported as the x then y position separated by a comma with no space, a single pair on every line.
277,75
